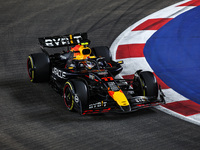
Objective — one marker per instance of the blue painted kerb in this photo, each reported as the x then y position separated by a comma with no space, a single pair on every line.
173,52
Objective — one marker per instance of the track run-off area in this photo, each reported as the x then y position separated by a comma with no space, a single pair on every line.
166,43
34,116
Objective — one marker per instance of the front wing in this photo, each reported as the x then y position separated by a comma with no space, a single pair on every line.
136,103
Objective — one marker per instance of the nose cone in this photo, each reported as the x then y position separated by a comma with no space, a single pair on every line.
121,99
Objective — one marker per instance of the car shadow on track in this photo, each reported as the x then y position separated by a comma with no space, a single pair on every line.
39,102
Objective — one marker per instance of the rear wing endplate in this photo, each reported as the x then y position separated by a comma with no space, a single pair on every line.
64,40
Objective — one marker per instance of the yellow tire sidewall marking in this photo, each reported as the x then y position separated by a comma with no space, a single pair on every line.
71,88
32,72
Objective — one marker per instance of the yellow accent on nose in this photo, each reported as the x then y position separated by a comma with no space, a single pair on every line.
119,97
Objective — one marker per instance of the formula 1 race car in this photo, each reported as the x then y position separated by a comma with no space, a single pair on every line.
86,77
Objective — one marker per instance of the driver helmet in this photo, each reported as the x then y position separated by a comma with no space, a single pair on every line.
81,52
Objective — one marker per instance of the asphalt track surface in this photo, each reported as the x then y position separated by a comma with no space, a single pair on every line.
33,116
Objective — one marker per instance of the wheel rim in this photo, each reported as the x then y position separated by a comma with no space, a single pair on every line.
138,87
68,97
30,68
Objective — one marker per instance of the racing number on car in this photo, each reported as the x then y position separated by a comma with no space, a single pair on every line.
107,78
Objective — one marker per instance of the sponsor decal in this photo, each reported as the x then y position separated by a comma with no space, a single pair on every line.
76,98
140,99
113,86
102,73
61,41
98,105
59,73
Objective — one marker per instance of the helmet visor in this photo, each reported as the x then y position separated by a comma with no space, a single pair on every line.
86,51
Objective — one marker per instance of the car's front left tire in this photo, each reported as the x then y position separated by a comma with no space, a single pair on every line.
76,94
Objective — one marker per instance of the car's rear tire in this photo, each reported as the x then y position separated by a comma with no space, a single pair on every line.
38,67
102,51
76,95
145,84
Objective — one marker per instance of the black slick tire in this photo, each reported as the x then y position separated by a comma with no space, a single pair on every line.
76,95
38,67
102,51
145,84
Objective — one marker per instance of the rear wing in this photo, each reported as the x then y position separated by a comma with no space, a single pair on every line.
64,40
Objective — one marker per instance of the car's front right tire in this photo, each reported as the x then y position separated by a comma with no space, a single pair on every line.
145,84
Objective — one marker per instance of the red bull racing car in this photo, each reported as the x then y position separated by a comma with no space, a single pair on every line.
86,77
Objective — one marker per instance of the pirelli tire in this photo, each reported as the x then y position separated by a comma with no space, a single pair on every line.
145,84
38,67
102,51
76,93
